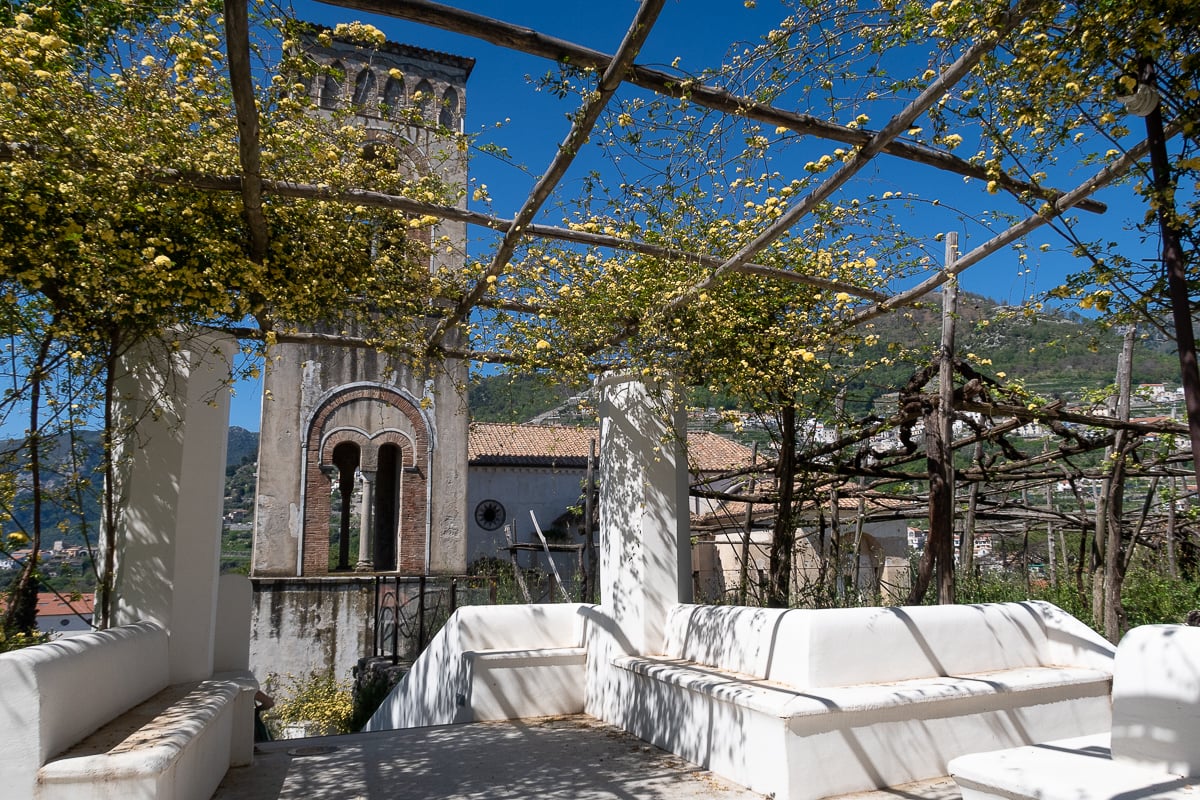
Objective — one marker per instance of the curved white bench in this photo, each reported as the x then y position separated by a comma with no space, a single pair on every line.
808,704
92,716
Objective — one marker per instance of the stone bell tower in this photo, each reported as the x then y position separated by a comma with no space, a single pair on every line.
362,462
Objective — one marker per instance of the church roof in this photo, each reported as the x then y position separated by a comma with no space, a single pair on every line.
496,443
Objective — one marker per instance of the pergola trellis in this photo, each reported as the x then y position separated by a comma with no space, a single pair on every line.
620,68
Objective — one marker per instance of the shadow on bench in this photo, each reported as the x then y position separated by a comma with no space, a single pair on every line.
807,704
92,716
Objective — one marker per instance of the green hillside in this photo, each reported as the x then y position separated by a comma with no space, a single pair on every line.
1056,355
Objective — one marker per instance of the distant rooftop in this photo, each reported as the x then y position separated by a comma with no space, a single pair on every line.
494,444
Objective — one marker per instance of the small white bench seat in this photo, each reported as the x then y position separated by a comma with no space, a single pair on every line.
1153,750
1069,768
494,663
92,717
151,741
779,699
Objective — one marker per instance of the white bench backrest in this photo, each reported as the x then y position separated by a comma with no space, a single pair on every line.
519,627
752,641
879,645
1156,699
55,694
851,646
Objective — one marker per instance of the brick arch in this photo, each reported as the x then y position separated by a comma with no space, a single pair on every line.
414,458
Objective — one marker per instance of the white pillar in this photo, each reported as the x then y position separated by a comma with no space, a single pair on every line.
645,553
366,526
645,557
171,485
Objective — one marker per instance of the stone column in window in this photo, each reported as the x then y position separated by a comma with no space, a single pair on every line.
366,531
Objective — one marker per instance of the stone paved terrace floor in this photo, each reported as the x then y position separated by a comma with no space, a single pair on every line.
573,758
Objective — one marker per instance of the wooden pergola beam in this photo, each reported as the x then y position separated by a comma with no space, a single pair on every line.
1072,199
237,42
581,128
373,199
531,42
863,156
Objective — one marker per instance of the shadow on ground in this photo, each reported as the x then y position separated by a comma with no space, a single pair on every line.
563,757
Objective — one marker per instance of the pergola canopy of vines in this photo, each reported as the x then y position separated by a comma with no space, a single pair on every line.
705,249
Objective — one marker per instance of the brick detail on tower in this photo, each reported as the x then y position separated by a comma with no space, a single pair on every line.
414,482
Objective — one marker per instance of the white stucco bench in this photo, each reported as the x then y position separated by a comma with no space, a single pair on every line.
494,663
93,717
808,704
1154,747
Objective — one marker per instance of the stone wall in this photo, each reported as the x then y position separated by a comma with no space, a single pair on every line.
306,625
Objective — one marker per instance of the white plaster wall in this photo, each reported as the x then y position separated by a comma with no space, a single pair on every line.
1156,697
55,694
546,492
62,624
234,602
645,558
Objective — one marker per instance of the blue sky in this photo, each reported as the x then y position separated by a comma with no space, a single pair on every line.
699,33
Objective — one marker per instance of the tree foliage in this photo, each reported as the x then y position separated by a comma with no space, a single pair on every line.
113,130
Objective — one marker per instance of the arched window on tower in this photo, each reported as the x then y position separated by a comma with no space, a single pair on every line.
331,86
424,98
448,117
343,523
364,92
393,96
389,489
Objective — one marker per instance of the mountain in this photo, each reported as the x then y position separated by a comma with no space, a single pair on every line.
242,447
1055,354
64,494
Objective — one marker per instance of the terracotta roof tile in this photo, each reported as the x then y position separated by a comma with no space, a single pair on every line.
503,443
51,605
494,442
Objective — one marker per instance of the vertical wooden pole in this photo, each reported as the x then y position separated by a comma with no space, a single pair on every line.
1172,558
589,529
941,455
835,515
1175,264
1050,555
1025,539
966,554
1112,577
743,577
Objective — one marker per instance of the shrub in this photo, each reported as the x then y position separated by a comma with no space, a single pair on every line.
319,701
